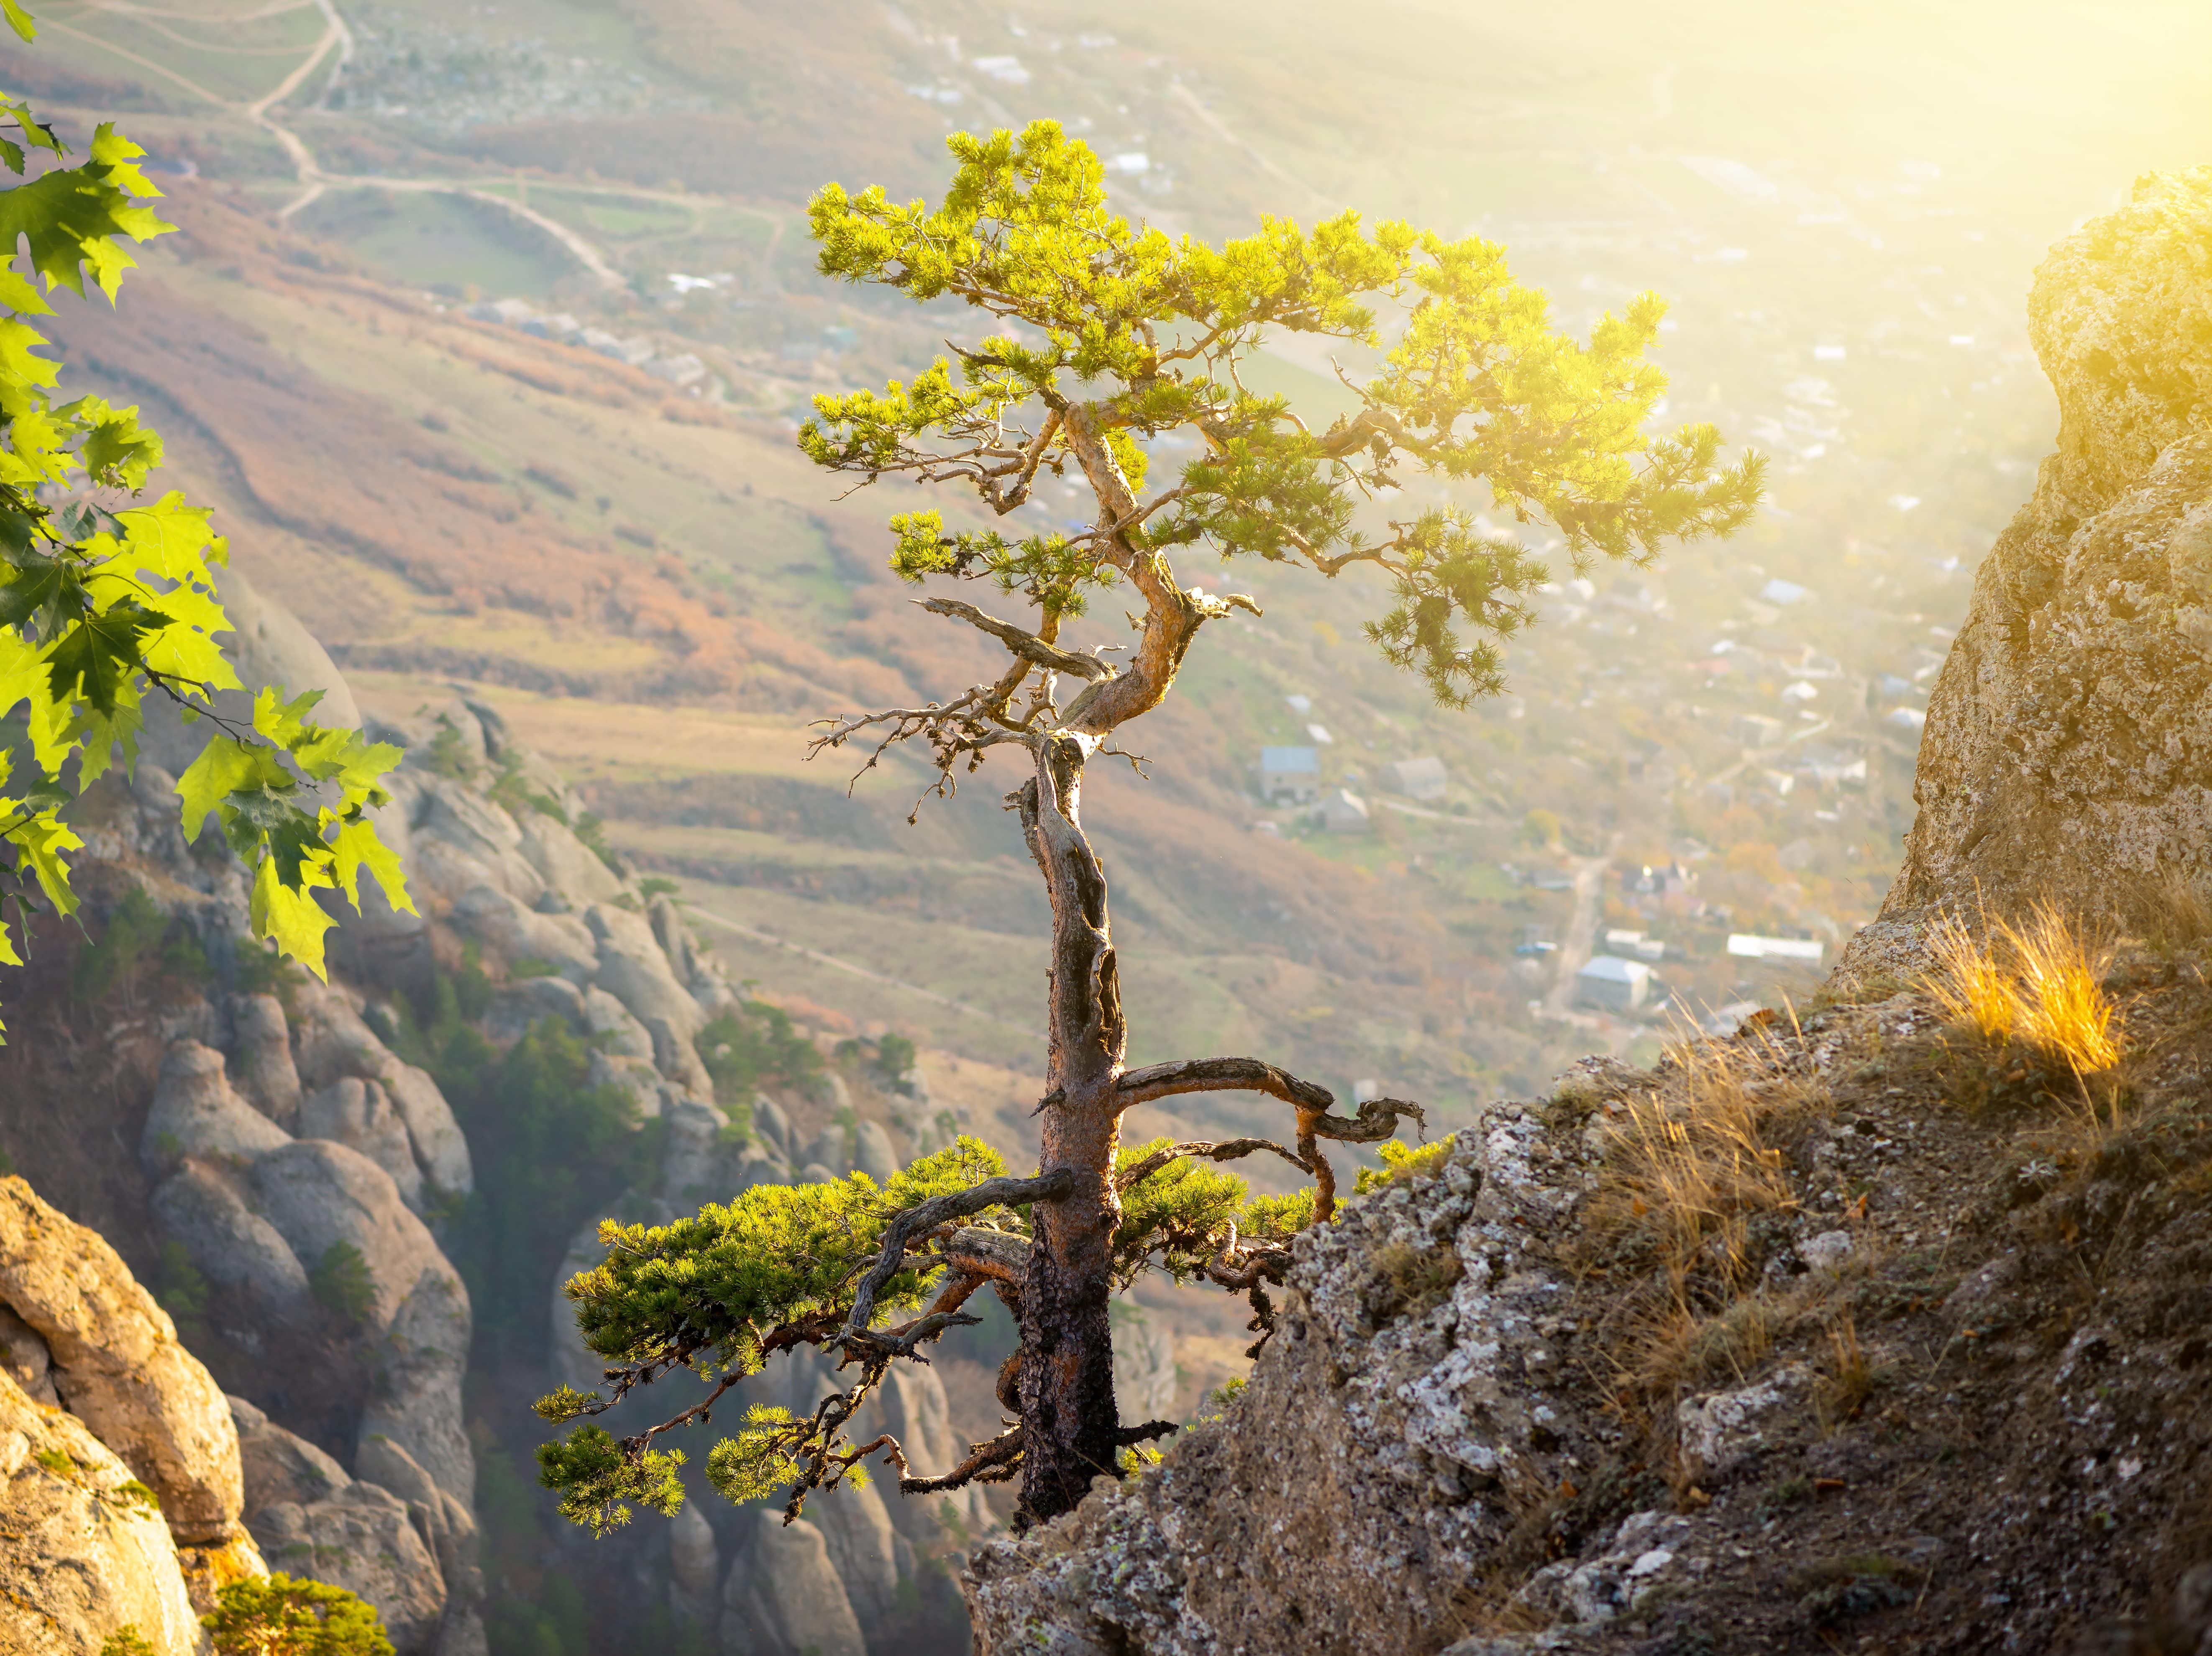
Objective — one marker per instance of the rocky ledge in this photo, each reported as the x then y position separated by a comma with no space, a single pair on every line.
1855,1331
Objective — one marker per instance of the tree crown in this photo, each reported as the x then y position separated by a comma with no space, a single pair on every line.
1140,333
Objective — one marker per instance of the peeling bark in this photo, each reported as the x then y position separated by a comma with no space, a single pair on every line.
1067,1377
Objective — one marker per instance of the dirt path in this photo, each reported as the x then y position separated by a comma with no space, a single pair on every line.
832,961
1581,931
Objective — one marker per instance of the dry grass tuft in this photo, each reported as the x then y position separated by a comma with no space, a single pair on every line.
2064,1008
1689,1172
1851,1377
2036,983
2174,913
1409,1280
1975,991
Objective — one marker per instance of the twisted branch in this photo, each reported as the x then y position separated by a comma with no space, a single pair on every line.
925,1216
1226,1150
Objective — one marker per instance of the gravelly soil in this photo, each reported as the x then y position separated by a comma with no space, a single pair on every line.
2021,1459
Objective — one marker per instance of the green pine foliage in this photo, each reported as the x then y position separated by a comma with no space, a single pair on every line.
1145,329
717,1293
550,1151
343,1284
104,610
285,1615
754,1046
1401,1161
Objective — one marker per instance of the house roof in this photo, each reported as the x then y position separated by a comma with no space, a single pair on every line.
1427,768
1291,759
1612,969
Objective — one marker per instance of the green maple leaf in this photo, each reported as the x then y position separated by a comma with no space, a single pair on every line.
289,914
357,847
225,766
118,451
92,660
40,843
38,582
72,217
19,19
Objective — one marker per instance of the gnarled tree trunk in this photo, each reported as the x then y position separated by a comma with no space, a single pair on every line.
1066,1383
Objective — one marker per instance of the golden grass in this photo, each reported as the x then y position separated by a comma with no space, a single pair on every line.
2174,913
1975,991
1688,1172
2037,982
1850,1377
2063,1007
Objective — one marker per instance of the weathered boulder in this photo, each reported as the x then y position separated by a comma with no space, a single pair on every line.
360,1538
2068,751
783,1597
911,1405
1382,1452
278,1466
691,1166
872,1153
421,1361
1143,1365
618,1032
83,1551
265,1074
198,1113
865,1552
335,1044
693,1569
24,1356
564,862
636,971
445,1523
318,1193
200,1207
359,1114
117,1364
460,839
772,1125
520,1006
513,932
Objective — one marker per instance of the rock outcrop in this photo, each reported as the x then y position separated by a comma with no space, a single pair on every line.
83,1551
2067,751
1879,1394
114,1362
121,1491
391,1535
261,1211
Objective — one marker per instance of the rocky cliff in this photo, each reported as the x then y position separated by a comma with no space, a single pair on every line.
1863,1332
303,1193
2069,746
121,1495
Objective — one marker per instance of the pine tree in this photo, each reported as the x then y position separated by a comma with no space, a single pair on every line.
1108,336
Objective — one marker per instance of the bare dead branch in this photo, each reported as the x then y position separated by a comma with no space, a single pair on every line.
1125,1436
999,1255
1026,645
1161,1080
988,1463
927,1216
1226,1150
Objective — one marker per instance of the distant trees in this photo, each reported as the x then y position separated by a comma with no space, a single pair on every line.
1104,337
105,605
